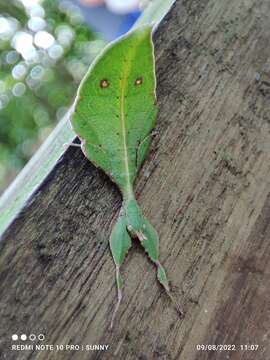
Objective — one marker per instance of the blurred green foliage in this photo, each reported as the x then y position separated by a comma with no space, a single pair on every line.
45,49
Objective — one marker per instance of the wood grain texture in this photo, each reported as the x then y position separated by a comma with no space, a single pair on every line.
205,187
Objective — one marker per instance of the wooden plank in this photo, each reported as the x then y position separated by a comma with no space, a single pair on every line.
206,189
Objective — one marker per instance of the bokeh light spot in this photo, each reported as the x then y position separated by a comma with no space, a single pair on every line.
43,39
56,51
18,89
36,23
19,71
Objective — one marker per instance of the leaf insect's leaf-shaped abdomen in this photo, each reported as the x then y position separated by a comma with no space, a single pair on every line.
116,110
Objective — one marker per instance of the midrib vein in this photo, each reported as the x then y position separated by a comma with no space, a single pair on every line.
124,133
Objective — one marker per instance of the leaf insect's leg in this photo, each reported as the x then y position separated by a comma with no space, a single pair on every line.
119,283
149,239
143,148
67,145
120,242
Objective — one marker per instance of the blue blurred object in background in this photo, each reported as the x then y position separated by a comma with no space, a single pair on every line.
129,21
109,24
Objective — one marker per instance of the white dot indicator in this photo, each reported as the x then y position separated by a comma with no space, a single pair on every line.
32,337
41,337
14,337
23,337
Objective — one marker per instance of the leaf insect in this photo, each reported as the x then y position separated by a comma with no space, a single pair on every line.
114,115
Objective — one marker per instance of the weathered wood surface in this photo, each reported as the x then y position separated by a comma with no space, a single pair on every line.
205,187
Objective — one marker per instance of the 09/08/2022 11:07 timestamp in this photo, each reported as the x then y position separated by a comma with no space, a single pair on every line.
227,347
